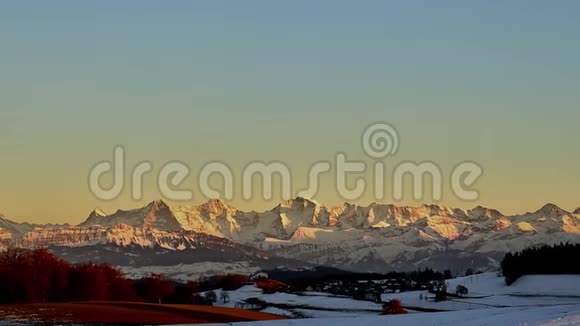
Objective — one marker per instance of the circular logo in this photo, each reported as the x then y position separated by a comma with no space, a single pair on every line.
380,140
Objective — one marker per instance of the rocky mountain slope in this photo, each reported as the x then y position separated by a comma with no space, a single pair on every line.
378,237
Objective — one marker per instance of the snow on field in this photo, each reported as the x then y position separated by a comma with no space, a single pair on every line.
545,285
306,305
486,291
309,313
543,300
345,304
312,300
546,316
241,294
489,291
277,311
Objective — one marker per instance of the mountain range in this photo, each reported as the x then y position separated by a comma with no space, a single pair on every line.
190,241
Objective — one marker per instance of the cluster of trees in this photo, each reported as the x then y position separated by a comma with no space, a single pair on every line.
33,276
269,286
558,259
211,297
28,276
426,275
228,282
300,281
319,274
155,288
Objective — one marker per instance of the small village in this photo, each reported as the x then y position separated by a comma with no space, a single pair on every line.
369,290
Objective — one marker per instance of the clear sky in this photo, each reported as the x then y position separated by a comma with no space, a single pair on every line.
496,82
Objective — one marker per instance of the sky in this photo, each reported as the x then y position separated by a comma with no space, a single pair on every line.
492,82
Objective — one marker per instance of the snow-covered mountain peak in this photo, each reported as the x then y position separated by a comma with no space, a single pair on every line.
550,210
156,214
438,210
435,207
160,216
480,213
298,202
97,212
11,230
94,217
215,207
349,235
157,204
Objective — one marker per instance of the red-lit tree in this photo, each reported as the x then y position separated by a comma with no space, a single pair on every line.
393,307
28,276
233,282
87,282
155,287
271,286
120,288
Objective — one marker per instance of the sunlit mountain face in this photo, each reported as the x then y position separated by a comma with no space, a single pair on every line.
299,233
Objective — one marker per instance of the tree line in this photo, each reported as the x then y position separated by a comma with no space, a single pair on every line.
38,276
557,259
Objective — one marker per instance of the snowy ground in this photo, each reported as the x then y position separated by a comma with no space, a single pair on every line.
489,291
546,316
309,304
548,300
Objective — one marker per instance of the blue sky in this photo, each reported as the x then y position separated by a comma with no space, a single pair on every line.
491,81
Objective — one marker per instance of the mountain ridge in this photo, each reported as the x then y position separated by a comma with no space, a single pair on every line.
351,236
215,217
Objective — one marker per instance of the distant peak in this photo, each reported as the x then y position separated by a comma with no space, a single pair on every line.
301,201
576,211
551,209
435,208
215,202
94,217
159,203
550,206
481,211
98,212
309,200
216,206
